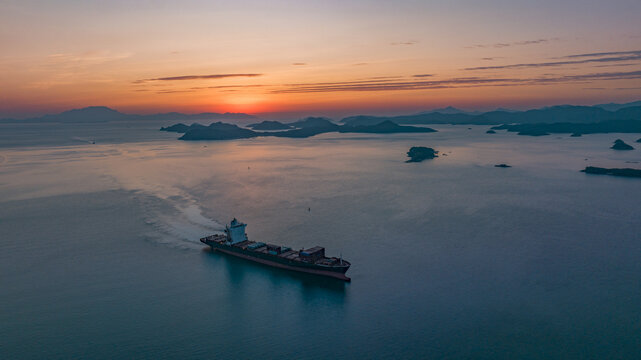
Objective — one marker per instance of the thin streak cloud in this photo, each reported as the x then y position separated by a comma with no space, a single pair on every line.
600,54
632,56
196,77
173,91
451,83
406,43
515,43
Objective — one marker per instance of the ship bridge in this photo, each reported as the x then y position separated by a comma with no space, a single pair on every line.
236,232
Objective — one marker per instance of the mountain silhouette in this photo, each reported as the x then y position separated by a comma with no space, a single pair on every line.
449,110
615,106
269,125
93,114
311,122
553,114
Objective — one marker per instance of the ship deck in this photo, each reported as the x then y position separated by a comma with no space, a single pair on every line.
290,254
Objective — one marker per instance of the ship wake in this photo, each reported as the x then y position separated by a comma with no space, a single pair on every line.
178,224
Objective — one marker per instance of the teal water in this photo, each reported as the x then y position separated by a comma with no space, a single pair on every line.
452,258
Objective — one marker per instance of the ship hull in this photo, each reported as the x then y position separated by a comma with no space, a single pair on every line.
334,272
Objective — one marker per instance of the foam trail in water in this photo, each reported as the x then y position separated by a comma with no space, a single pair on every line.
175,214
195,216
183,228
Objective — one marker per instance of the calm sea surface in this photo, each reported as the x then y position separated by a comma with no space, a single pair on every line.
452,257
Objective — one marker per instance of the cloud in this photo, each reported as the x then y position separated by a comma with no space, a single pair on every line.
173,91
627,56
515,43
375,80
196,77
91,57
615,65
299,64
360,64
606,76
422,75
407,43
223,88
464,82
386,78
373,86
601,54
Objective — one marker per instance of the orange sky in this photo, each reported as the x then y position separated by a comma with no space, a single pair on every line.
325,58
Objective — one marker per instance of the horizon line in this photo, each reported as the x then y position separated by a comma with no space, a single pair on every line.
357,112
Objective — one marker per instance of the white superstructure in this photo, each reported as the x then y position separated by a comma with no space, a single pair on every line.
236,232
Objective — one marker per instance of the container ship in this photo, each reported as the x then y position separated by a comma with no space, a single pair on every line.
313,261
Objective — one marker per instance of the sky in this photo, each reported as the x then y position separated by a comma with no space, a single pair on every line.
326,57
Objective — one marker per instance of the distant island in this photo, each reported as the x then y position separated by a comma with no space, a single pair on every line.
626,172
385,127
181,128
554,114
621,145
311,121
305,128
269,125
420,153
502,166
217,131
576,129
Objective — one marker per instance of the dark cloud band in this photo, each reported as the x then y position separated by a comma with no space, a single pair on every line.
632,56
515,43
451,83
196,77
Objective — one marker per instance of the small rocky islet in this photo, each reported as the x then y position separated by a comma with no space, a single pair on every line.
576,129
625,172
621,145
420,153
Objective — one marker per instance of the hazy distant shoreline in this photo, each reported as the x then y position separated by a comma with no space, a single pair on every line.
449,115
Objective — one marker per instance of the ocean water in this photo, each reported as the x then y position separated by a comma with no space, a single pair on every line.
452,258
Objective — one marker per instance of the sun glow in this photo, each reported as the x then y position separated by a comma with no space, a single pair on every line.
243,61
245,103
